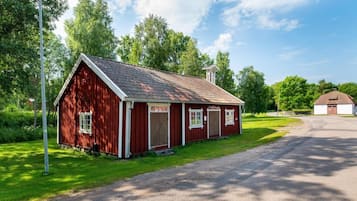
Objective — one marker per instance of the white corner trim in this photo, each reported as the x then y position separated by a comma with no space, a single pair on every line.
168,128
149,129
240,119
97,71
58,126
183,122
120,130
127,129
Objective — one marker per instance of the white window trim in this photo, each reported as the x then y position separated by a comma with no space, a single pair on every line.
230,123
85,131
197,125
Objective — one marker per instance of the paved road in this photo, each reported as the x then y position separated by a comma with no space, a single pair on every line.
316,161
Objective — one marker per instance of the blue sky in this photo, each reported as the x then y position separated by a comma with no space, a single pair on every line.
315,39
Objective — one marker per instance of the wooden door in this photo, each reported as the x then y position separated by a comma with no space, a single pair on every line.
158,129
213,123
332,109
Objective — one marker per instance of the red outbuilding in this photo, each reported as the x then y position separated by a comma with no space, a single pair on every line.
124,110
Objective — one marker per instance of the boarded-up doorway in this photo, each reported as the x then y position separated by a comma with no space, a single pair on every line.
159,126
213,123
332,109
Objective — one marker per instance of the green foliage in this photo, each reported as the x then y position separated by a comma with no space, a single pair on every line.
27,133
224,76
293,93
302,111
156,46
271,104
71,170
190,61
178,43
90,31
325,87
252,89
19,43
16,126
349,88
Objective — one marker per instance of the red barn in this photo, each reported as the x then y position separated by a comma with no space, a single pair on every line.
124,110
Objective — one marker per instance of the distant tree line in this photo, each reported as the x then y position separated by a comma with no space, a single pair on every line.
153,44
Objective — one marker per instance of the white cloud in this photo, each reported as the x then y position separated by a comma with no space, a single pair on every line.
67,15
222,43
123,5
240,43
184,16
262,12
290,54
267,22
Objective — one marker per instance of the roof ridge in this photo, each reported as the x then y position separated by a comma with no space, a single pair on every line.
144,67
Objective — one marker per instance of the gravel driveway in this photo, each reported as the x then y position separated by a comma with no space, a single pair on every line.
316,161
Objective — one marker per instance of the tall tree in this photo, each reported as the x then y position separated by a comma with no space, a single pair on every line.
19,41
293,93
224,76
90,31
349,88
190,61
177,45
276,88
155,45
152,35
252,89
325,87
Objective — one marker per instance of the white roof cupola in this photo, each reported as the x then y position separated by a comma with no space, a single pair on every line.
211,73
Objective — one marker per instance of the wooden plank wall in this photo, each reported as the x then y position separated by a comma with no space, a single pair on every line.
87,92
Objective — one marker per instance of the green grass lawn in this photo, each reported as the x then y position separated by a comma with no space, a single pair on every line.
21,164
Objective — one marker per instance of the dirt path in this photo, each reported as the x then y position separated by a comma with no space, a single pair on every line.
315,161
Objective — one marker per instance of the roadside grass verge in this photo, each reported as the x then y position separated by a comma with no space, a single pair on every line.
21,164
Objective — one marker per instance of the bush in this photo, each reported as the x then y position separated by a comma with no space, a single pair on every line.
18,126
23,118
302,111
8,135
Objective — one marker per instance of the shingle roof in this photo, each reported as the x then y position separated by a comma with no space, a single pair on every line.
140,83
334,97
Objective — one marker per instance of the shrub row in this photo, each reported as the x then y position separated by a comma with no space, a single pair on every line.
22,119
302,111
26,133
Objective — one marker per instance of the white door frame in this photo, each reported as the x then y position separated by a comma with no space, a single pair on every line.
168,121
219,119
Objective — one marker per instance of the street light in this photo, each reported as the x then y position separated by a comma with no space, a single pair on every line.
43,92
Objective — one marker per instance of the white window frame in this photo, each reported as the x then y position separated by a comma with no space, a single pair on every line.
197,111
230,112
83,126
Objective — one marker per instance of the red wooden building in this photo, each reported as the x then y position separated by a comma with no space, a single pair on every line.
123,109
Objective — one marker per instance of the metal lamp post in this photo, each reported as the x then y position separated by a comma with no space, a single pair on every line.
43,92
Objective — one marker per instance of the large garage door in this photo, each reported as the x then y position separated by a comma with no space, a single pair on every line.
332,109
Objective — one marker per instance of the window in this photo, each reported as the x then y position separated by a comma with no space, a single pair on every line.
229,117
85,122
159,108
196,118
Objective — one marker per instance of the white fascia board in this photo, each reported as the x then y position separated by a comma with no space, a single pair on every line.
173,101
98,72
